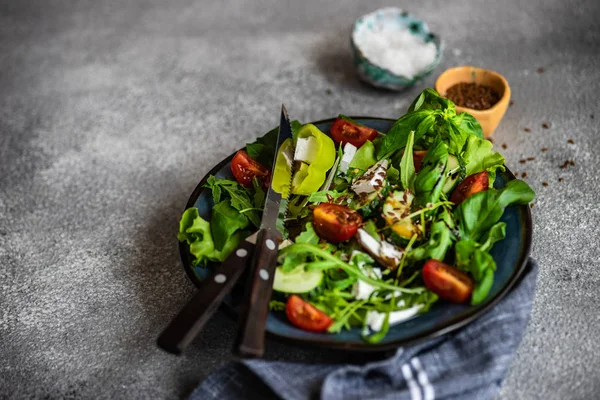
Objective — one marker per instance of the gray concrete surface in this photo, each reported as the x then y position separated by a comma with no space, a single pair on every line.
111,111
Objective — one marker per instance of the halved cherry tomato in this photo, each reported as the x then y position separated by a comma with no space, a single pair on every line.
335,223
418,156
245,169
469,186
447,282
346,132
306,316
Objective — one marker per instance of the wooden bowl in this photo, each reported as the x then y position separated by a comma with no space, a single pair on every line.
490,118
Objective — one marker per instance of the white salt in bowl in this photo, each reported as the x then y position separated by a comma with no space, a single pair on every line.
394,50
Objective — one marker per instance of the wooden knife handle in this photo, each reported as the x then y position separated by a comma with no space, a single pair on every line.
251,337
191,319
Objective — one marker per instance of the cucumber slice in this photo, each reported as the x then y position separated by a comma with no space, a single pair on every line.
452,173
297,281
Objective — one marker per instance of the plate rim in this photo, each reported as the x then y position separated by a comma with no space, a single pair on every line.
453,324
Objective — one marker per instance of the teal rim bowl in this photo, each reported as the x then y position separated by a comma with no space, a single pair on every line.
381,77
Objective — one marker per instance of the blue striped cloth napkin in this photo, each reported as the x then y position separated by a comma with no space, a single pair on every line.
470,363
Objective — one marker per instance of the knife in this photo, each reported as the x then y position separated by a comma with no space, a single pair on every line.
251,337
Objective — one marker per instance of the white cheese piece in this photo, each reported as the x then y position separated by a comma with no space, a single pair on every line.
369,243
384,252
362,290
372,180
390,253
375,319
288,153
349,153
306,149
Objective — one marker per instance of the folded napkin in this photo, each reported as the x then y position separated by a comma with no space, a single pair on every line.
470,363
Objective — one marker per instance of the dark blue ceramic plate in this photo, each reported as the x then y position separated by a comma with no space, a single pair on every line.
510,255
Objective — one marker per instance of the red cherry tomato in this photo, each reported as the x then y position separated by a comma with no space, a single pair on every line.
245,169
346,132
447,282
418,156
335,223
469,186
306,316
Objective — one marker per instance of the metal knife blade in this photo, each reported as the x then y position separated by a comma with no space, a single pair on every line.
275,204
250,341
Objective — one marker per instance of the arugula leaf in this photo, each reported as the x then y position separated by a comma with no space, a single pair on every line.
479,212
324,196
263,149
259,194
430,179
224,222
479,157
308,236
275,305
292,261
407,166
364,157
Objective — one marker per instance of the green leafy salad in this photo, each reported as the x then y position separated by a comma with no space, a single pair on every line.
379,227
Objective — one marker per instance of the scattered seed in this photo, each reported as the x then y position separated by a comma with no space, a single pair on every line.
523,161
531,205
527,130
540,70
530,158
510,103
545,125
560,179
565,164
570,141
524,174
504,145
545,183
572,163
544,149
491,139
329,92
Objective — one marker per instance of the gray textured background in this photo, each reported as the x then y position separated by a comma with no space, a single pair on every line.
111,111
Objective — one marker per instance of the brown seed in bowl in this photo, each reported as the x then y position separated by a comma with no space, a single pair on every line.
527,130
545,183
570,141
545,125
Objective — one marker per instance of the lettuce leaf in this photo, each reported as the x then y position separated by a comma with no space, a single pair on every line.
364,157
196,232
224,222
